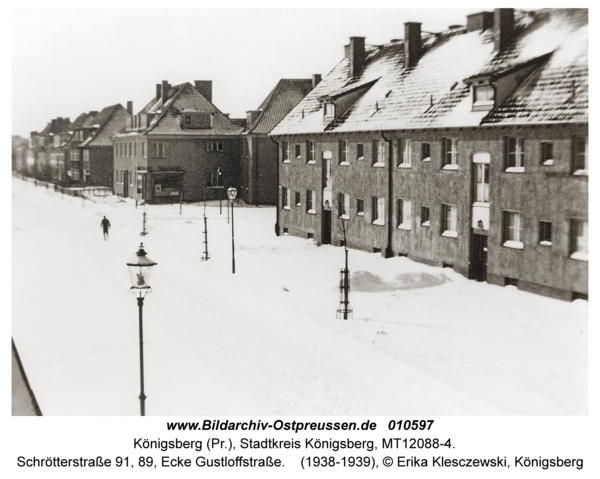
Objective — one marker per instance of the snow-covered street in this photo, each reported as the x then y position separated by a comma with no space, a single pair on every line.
265,340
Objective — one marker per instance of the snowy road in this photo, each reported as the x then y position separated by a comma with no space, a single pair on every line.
265,341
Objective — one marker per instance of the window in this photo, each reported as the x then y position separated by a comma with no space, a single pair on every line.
328,111
482,182
74,155
378,211
580,154
310,201
360,152
513,230
579,239
425,216
449,221
545,237
144,150
343,160
425,151
547,153
286,151
188,120
404,214
139,184
86,157
310,148
298,200
76,175
215,180
450,153
298,151
404,153
483,96
360,207
214,146
285,198
162,150
378,153
514,154
344,205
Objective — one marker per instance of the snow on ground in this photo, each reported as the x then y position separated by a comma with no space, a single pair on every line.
265,340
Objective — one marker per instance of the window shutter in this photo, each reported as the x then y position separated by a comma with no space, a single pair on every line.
505,152
166,150
573,153
443,151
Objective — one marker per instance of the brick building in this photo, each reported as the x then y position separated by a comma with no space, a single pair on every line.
259,157
96,149
466,148
179,147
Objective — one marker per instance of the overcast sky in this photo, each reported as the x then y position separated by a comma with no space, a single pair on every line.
69,61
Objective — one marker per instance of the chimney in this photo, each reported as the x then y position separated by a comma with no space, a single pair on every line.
130,107
158,91
412,44
478,22
165,91
251,117
504,27
356,53
204,87
316,79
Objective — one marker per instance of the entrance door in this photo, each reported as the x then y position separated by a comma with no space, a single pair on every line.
126,183
326,227
479,258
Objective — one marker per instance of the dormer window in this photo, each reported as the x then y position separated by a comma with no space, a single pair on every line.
328,111
483,97
196,120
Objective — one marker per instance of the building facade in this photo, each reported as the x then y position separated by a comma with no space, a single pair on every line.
178,148
466,149
258,182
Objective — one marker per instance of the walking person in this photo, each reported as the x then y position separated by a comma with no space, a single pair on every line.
105,227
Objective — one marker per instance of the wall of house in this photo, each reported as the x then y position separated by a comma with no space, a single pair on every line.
300,177
101,166
266,171
549,193
191,155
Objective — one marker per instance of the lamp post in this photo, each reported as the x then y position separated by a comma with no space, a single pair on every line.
232,193
140,273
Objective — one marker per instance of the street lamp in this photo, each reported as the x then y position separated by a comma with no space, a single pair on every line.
232,193
140,273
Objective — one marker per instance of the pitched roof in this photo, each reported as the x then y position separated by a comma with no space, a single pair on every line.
101,119
436,92
279,102
167,119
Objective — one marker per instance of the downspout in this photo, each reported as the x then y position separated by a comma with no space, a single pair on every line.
388,250
277,192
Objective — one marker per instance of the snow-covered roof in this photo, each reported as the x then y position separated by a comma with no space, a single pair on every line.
434,93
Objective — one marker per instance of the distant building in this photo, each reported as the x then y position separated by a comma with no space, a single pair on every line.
466,149
259,162
179,147
96,150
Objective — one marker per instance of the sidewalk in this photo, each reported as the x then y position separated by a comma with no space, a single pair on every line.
23,399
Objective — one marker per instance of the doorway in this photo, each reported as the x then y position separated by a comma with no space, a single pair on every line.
326,227
479,258
126,184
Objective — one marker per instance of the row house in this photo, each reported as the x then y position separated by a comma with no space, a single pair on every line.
466,149
45,157
96,152
259,154
179,147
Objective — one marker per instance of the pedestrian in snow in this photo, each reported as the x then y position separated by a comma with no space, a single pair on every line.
105,227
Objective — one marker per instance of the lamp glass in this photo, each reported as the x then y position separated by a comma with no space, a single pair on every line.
232,193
